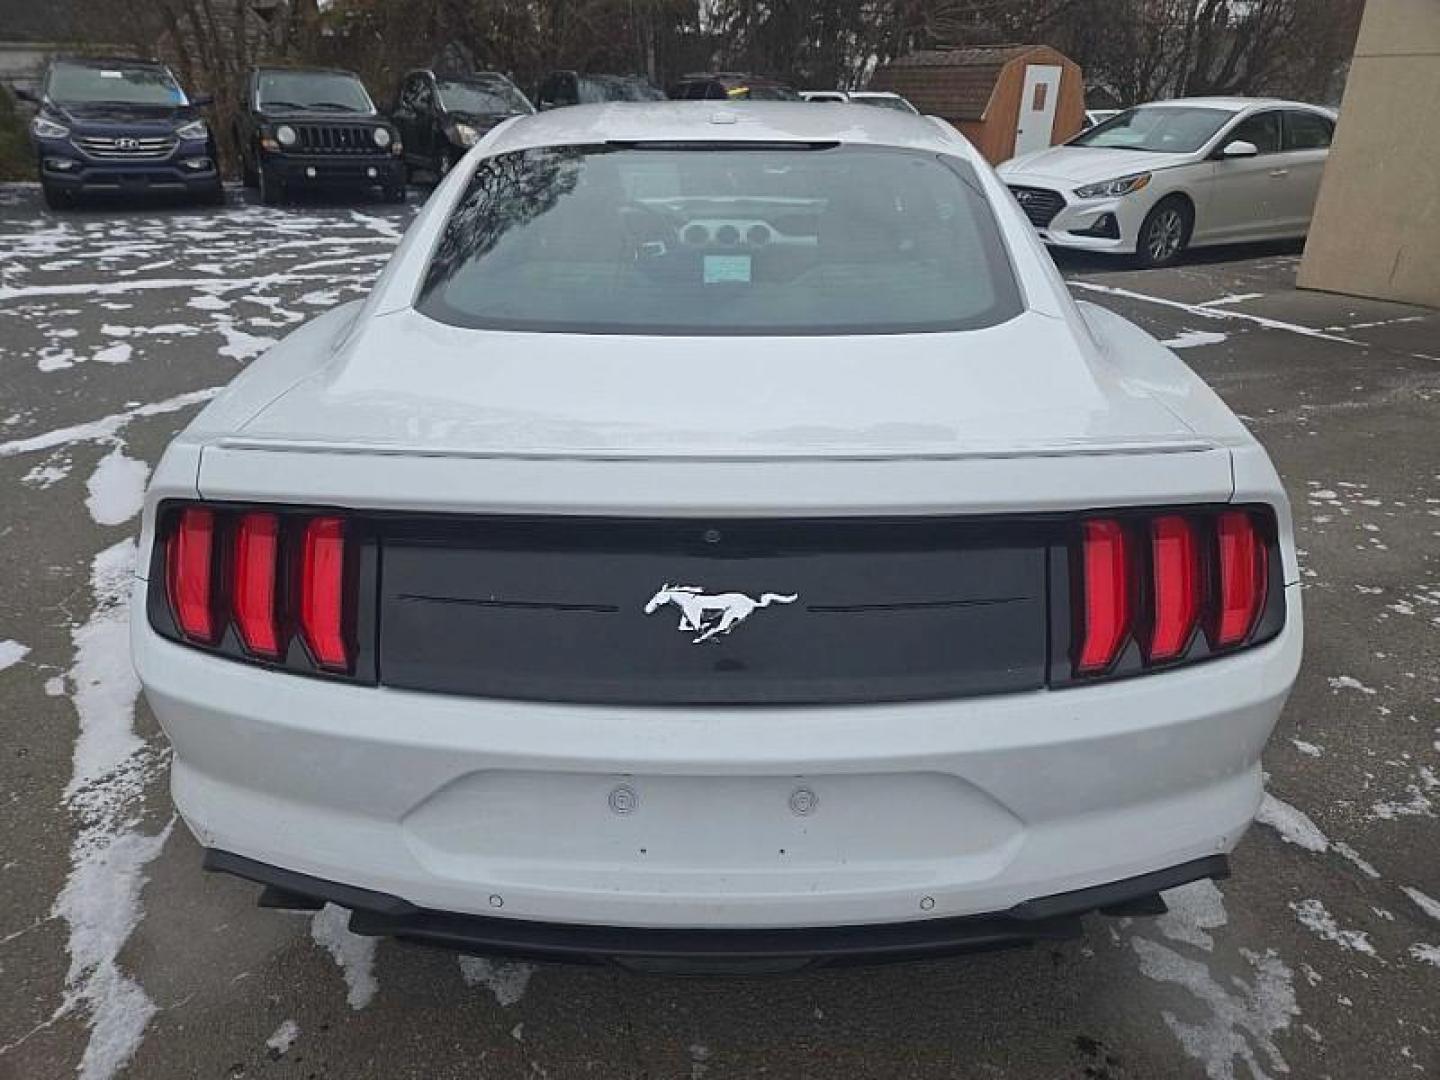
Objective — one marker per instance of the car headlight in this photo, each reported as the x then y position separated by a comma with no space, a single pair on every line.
285,135
1124,185
48,129
196,129
382,137
464,134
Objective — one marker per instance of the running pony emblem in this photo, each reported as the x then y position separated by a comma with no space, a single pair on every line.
707,617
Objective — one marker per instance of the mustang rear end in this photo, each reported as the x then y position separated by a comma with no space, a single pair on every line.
719,541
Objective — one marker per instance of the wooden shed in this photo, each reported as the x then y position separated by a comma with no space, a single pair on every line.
1006,99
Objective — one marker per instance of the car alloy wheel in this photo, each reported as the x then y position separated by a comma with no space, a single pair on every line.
1165,236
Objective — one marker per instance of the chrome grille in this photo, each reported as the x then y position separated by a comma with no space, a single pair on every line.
125,147
1040,204
336,138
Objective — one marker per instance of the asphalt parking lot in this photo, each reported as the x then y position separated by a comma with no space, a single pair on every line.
1319,958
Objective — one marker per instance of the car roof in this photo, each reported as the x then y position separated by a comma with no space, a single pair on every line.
720,121
108,61
1231,104
305,69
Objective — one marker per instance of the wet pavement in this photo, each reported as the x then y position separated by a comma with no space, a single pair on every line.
118,956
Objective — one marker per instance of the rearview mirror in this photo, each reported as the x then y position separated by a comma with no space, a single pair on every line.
1239,148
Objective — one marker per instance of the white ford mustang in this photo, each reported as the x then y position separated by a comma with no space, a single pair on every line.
1155,180
719,539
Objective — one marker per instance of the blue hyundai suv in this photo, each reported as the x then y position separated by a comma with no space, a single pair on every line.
120,125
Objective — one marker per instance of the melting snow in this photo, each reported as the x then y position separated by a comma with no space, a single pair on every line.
1239,1023
1293,825
1430,954
1312,914
11,653
101,898
506,979
355,954
119,353
1194,909
106,426
1423,902
116,488
285,1035
1345,682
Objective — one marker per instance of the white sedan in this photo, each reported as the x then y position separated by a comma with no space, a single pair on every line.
1157,179
719,541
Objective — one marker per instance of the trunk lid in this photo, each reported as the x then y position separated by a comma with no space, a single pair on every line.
412,385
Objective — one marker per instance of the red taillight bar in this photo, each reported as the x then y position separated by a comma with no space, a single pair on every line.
1106,595
322,592
1242,577
188,574
1176,585
256,565
1199,567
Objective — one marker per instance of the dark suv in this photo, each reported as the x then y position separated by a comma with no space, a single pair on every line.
442,116
731,86
315,128
573,88
119,125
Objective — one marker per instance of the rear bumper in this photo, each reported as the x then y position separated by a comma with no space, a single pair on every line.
1050,918
719,817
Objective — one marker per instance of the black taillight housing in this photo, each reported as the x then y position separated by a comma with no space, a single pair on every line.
1133,592
290,588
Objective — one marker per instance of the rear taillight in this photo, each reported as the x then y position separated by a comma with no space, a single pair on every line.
269,585
1176,586
322,592
189,574
1143,585
253,594
1242,577
1105,583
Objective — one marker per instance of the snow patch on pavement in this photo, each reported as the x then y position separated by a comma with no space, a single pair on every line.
1293,825
106,426
1429,954
1423,902
278,1044
1314,916
116,488
355,954
100,901
506,979
11,653
1238,1023
1195,909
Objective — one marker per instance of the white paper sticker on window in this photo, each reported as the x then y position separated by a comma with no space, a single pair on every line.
723,269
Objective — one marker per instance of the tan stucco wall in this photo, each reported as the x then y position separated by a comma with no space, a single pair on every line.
1376,230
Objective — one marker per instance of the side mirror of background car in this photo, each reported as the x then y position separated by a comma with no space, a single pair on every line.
25,95
1239,148
202,100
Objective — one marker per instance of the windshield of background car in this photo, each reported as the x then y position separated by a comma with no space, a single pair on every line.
898,104
122,84
485,97
1164,129
724,239
598,88
330,91
763,93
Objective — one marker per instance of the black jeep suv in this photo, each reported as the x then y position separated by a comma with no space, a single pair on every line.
315,128
120,125
442,116
573,88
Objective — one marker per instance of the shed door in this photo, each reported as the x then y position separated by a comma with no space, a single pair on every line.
1037,108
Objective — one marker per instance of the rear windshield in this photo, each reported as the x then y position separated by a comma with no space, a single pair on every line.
1165,129
696,239
118,84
